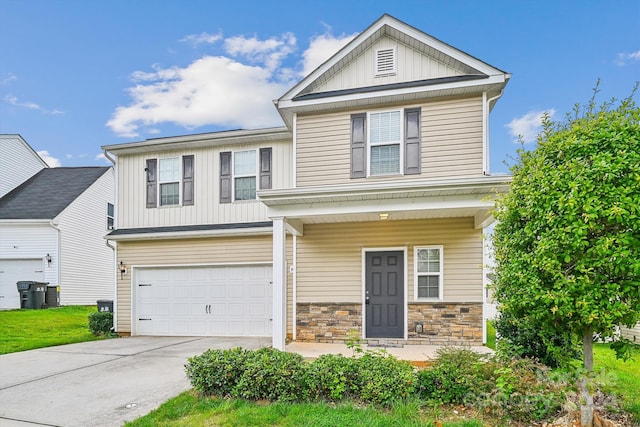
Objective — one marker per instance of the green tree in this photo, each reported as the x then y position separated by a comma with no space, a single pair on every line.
567,244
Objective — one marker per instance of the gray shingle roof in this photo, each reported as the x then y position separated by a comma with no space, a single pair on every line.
47,193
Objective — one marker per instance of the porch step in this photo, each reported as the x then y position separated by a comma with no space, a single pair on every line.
385,343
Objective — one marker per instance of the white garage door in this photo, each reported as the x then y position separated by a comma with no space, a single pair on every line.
14,270
204,301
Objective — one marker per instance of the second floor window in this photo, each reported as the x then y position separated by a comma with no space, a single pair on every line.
244,175
169,181
385,138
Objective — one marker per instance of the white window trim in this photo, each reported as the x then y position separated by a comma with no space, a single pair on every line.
234,176
416,273
160,182
401,142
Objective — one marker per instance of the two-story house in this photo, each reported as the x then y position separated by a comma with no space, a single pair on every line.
52,226
363,213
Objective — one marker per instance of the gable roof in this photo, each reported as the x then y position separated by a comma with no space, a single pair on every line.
49,192
18,139
464,74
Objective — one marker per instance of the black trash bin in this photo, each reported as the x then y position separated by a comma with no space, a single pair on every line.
105,305
32,294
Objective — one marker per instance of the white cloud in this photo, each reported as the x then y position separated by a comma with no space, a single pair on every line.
321,48
9,78
625,58
50,160
528,126
270,52
234,91
202,38
209,90
13,100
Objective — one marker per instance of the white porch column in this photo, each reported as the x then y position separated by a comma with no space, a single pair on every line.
279,283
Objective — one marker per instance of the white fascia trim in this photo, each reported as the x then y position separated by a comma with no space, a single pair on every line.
491,80
24,221
464,203
201,140
294,194
262,231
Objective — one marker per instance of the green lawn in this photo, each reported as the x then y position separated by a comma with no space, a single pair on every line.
190,410
28,329
619,377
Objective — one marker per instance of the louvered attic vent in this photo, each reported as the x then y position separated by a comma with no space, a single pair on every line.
385,62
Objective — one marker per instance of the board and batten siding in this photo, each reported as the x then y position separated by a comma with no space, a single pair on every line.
207,209
451,144
86,263
17,163
329,257
190,252
31,241
411,65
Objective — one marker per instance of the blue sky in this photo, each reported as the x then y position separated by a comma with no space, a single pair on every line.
76,75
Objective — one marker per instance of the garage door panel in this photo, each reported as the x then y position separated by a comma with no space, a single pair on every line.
204,301
14,270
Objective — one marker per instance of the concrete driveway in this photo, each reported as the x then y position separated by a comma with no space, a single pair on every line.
99,383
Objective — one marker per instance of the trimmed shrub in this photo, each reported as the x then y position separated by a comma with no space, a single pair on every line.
216,372
455,377
101,322
382,378
332,377
273,374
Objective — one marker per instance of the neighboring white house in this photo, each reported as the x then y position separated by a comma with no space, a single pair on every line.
51,229
18,162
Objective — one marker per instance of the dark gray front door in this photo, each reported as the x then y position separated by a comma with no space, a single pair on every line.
384,294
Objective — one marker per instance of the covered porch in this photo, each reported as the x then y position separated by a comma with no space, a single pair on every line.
396,217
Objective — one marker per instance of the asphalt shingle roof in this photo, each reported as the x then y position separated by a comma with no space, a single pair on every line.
47,193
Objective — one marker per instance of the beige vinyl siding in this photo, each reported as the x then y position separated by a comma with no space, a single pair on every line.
329,258
206,251
451,144
411,65
631,333
207,209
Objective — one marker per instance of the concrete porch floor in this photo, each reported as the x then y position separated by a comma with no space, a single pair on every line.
417,354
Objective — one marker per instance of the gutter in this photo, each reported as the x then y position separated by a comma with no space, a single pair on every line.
113,247
59,250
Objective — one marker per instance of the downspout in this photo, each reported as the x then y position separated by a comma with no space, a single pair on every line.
113,247
59,267
486,108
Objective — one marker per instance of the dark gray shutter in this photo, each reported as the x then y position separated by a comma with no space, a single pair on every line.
265,168
412,161
359,145
225,177
152,180
187,180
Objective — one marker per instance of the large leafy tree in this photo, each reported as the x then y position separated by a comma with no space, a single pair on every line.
567,244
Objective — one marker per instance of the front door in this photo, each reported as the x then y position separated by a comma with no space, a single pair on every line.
384,294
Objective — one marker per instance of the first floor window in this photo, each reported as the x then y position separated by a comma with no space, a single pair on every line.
244,175
110,216
169,181
428,276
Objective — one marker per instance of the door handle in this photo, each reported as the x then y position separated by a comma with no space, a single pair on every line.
366,300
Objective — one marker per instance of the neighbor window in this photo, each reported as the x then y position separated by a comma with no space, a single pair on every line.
428,272
244,175
110,216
